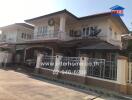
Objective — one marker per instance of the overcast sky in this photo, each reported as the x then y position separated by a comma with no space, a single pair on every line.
12,11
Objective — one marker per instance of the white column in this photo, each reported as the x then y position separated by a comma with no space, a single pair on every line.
62,34
122,70
130,72
83,66
24,55
62,24
38,62
57,64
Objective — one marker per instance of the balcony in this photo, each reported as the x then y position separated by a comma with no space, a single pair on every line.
50,35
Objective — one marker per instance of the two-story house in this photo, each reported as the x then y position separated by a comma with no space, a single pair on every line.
16,33
98,36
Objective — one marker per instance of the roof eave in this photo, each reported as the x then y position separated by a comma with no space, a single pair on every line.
51,14
123,25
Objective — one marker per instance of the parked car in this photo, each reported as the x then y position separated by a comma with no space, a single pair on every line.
31,62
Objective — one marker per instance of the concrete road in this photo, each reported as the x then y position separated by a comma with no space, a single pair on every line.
19,86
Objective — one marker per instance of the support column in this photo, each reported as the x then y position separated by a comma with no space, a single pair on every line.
122,73
38,62
62,27
57,63
62,23
83,65
130,72
24,56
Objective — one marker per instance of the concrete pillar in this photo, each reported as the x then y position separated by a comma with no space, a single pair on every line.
83,65
57,64
62,27
62,24
130,72
38,62
122,73
24,55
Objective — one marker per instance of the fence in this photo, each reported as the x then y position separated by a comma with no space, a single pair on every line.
130,72
48,62
102,69
110,70
95,67
70,64
5,58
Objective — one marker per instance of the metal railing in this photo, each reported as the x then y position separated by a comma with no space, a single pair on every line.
70,64
48,62
48,35
102,69
99,68
110,70
96,67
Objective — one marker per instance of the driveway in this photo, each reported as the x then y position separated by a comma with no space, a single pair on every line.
19,86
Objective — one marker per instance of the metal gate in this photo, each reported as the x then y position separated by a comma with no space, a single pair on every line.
102,69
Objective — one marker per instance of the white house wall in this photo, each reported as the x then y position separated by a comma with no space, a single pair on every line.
99,22
10,35
23,30
15,34
114,38
103,23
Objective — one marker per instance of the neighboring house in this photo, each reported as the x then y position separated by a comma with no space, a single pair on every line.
12,34
127,41
15,33
97,35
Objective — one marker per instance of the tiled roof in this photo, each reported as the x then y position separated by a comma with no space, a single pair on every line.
25,25
100,46
78,18
20,24
69,13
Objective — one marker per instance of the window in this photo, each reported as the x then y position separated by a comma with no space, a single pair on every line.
42,30
91,31
25,35
22,35
83,32
87,31
45,29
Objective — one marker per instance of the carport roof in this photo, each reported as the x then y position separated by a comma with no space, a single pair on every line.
100,46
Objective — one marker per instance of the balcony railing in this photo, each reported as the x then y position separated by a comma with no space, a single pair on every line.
47,36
